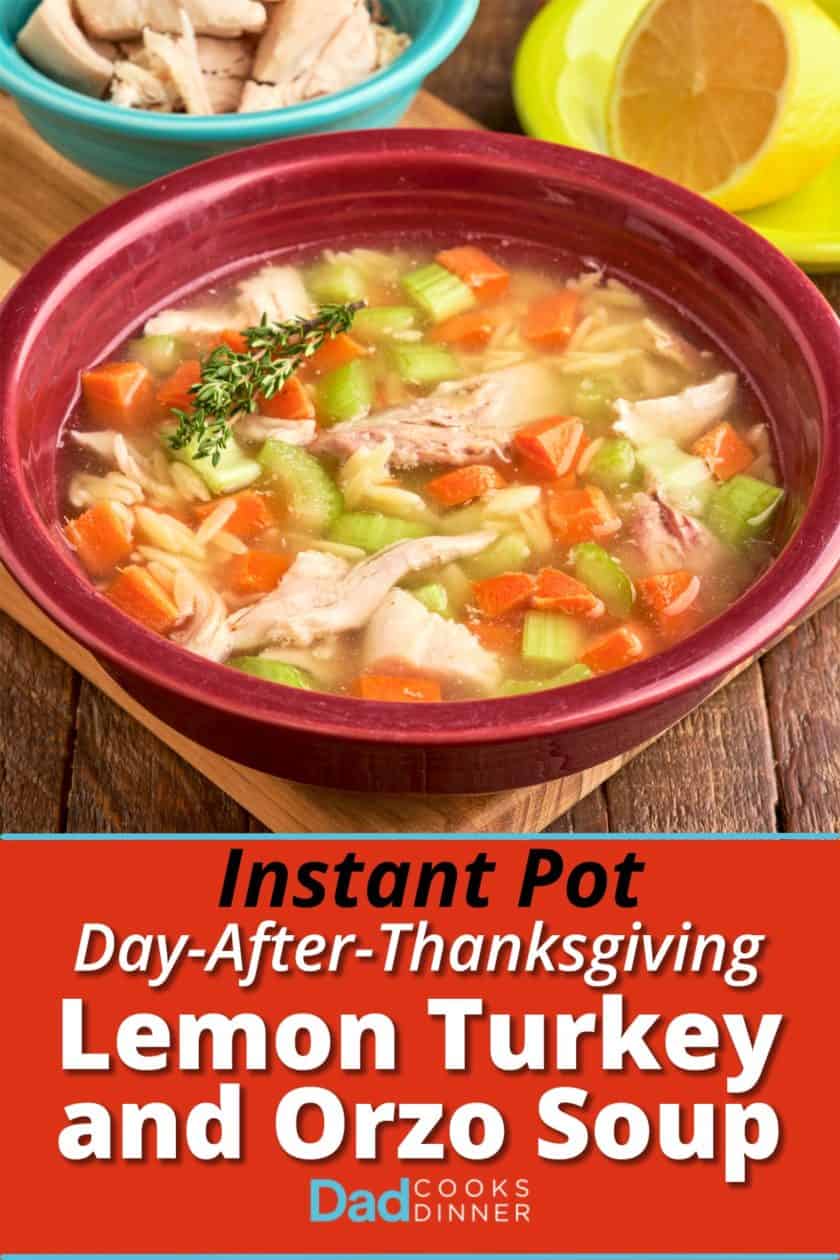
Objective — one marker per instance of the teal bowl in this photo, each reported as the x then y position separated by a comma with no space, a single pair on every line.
131,147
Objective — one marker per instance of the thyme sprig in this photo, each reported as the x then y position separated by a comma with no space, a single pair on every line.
232,380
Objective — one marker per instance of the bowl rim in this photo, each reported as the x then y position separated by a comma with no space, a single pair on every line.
432,45
29,548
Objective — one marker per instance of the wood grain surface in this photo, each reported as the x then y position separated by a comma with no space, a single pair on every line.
762,754
50,196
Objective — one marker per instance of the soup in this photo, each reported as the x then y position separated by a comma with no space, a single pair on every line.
419,476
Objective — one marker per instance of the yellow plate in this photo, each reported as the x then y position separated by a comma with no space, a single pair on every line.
561,83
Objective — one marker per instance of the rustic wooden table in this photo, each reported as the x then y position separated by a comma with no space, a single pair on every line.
762,755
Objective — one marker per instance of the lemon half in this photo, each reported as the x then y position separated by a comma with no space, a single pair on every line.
737,99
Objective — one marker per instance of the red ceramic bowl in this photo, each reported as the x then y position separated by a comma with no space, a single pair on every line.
156,245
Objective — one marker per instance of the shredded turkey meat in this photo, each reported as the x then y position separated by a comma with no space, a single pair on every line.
322,594
668,539
680,417
122,19
462,421
404,637
203,628
257,428
136,86
274,291
299,59
175,61
225,65
53,42
137,54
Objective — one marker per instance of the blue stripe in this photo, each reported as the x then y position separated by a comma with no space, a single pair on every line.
396,1255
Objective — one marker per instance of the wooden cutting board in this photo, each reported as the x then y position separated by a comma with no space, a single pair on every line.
41,197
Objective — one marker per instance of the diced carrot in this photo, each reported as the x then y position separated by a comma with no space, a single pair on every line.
487,279
724,450
671,598
470,331
615,650
569,482
101,538
385,687
660,591
120,395
253,514
292,402
552,446
335,352
257,572
464,484
672,629
497,636
175,390
232,339
137,593
558,592
580,515
551,320
503,594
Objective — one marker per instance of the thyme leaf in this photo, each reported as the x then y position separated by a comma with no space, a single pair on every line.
232,380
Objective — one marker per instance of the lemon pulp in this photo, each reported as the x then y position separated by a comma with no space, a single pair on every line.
729,97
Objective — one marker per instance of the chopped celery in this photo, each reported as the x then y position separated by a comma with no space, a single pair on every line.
594,399
507,554
741,509
439,293
613,465
372,530
234,470
272,671
603,574
421,364
551,639
336,282
161,355
522,686
346,393
684,479
310,495
574,674
432,595
378,323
